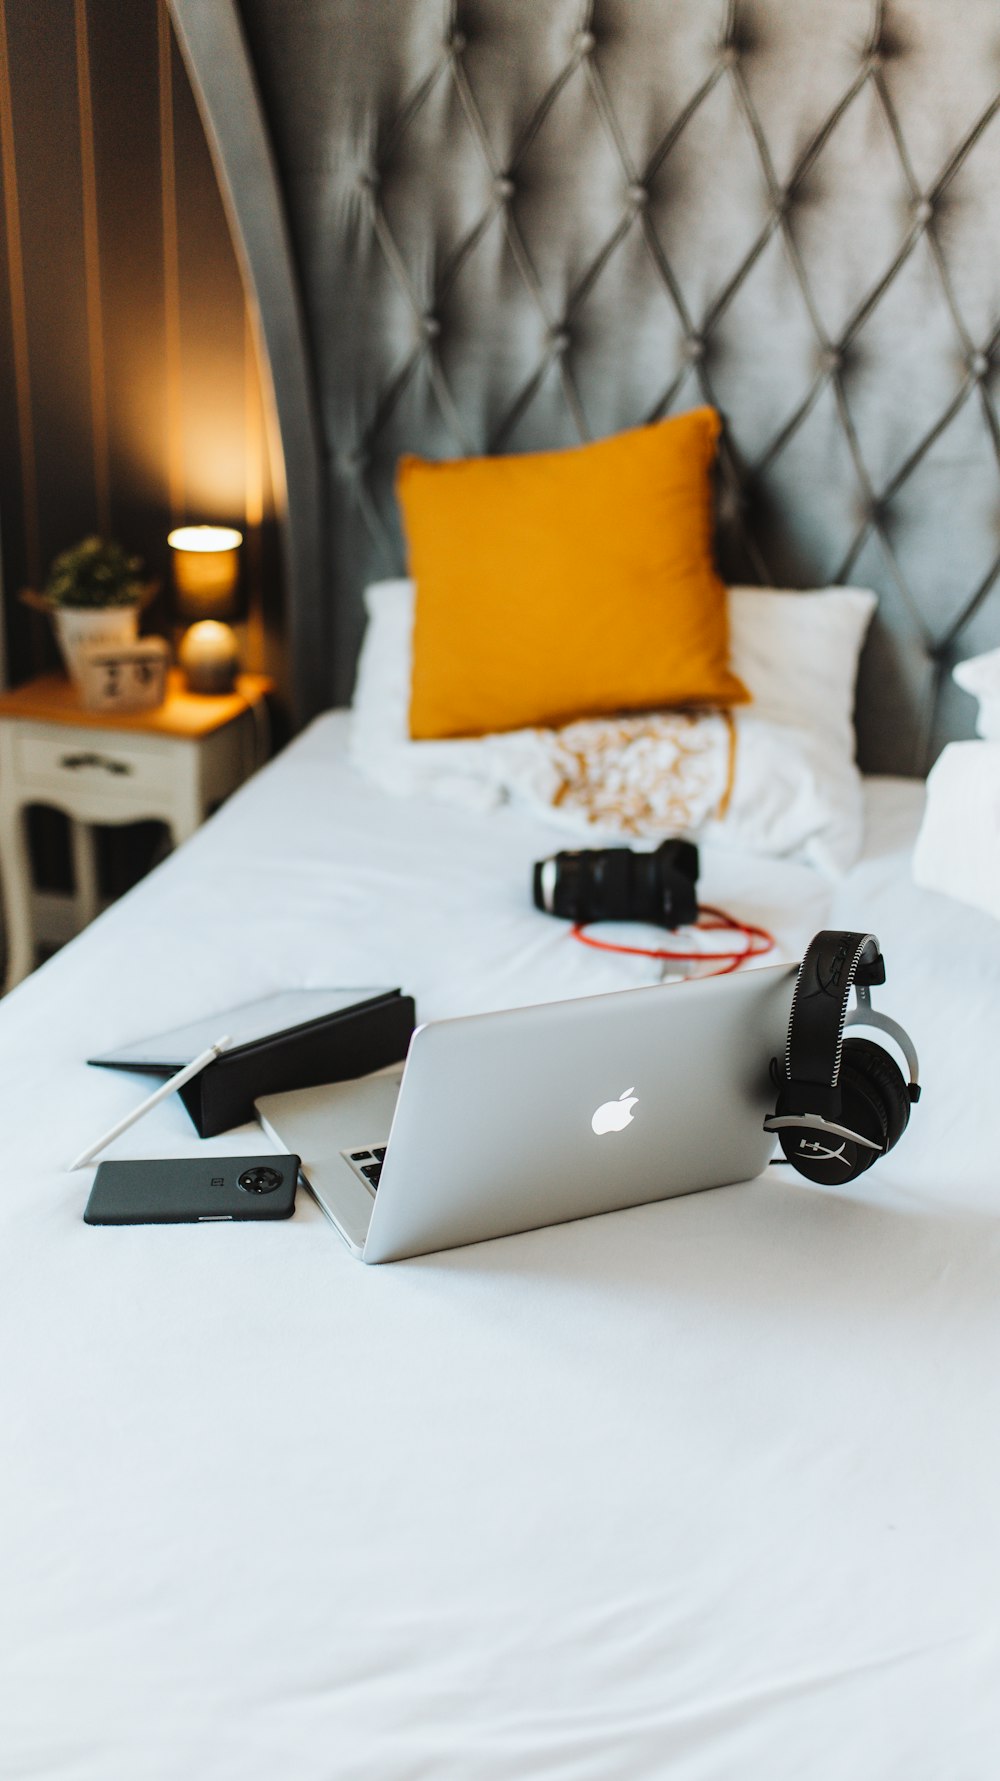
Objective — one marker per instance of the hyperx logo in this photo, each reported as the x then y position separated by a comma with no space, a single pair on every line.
824,1153
829,973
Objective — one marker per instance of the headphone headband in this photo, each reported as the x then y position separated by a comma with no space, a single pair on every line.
836,961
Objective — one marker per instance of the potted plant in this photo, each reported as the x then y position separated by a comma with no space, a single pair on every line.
93,594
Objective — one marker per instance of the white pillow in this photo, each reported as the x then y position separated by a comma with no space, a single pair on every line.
797,655
958,847
980,676
796,790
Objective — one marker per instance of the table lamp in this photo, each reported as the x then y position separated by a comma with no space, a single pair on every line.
206,571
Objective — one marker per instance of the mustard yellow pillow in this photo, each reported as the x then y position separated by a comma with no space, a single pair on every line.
564,584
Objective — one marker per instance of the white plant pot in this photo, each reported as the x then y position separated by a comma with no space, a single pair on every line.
79,628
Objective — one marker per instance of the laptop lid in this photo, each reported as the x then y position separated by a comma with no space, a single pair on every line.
528,1117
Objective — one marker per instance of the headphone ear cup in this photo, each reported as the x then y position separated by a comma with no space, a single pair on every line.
873,1072
832,1161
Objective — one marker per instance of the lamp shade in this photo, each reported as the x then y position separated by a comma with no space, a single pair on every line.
206,569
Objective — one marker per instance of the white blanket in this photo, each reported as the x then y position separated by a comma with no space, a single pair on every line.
704,1490
732,778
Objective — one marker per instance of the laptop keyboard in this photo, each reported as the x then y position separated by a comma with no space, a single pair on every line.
368,1164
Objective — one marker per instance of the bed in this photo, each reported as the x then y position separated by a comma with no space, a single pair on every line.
703,1489
706,1488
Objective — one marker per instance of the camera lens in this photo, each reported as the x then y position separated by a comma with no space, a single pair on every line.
615,884
260,1181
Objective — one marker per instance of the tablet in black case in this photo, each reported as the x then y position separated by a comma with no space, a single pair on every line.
193,1190
293,1039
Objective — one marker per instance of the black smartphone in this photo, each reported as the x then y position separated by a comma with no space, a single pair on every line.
193,1190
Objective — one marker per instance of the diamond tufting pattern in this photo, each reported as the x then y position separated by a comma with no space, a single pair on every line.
528,225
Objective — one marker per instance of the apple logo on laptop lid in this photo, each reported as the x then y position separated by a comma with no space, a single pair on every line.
614,1116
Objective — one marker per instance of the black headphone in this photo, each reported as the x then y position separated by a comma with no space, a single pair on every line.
842,1103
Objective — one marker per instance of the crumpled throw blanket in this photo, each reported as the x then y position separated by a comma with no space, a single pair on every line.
662,772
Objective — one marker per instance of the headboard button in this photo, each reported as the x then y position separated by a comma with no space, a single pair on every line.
923,210
831,358
559,340
456,42
430,327
638,196
694,347
503,188
585,43
979,364
734,503
729,55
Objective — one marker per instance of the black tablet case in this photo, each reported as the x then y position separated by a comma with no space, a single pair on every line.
351,1042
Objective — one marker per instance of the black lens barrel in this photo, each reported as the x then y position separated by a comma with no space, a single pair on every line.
615,884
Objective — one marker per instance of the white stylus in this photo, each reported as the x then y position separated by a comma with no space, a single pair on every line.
160,1094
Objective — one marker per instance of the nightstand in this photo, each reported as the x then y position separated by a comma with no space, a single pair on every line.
173,765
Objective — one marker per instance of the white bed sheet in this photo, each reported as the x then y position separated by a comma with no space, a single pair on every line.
706,1489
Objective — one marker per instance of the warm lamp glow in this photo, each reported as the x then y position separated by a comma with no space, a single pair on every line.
204,538
208,657
206,568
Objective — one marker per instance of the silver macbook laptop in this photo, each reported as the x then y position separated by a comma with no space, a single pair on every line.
503,1122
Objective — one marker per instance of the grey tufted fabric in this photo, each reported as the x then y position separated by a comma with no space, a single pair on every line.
527,224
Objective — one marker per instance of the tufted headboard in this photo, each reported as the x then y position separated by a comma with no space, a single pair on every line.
497,225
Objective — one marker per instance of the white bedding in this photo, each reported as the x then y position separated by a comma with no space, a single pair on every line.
704,1490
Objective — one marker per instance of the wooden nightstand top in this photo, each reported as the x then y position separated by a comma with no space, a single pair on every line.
55,700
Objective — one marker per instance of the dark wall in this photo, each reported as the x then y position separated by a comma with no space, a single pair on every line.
130,398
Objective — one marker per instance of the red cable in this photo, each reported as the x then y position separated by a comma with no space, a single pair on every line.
721,923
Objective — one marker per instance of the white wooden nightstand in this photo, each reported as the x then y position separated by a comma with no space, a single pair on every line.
173,765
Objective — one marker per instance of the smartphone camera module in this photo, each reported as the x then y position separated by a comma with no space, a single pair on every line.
260,1181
